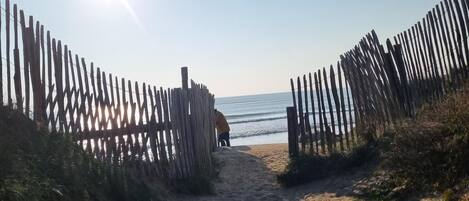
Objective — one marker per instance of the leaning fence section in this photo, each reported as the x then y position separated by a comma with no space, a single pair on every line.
166,133
382,82
322,118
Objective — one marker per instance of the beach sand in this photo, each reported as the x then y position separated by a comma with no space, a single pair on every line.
248,173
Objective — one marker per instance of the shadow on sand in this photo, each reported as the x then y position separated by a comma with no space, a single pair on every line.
245,176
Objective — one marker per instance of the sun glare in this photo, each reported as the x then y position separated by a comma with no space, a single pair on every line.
132,13
127,6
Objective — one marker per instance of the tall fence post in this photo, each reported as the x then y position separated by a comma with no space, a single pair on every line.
292,132
185,78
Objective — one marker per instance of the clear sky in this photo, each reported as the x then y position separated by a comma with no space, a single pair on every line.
235,47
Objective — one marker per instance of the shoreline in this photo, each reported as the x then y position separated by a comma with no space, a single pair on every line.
276,138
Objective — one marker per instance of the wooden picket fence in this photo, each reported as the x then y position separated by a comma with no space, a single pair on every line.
164,133
327,112
382,83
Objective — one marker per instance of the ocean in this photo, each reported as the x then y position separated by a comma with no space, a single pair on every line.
256,119
259,119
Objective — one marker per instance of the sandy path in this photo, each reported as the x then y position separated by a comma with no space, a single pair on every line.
248,174
243,177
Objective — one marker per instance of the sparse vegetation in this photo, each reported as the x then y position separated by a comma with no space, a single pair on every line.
307,168
426,155
37,165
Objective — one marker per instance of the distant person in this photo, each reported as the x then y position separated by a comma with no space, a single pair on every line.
223,129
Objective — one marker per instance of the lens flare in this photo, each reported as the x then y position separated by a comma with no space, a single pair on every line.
132,13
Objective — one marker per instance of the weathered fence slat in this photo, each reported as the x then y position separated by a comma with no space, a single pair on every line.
323,122
292,132
313,107
336,99
342,107
301,117
7,52
306,116
330,130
